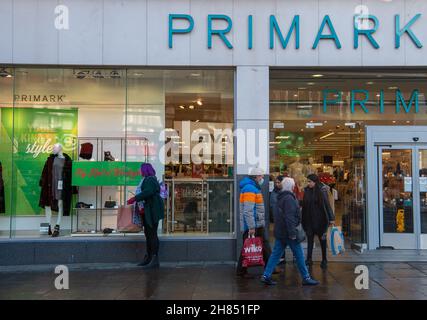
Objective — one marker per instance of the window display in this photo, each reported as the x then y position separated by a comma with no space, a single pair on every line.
76,154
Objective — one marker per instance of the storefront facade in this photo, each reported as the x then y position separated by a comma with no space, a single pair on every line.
206,90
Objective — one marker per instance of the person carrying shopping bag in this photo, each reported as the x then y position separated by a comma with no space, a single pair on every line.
252,214
317,215
288,232
153,204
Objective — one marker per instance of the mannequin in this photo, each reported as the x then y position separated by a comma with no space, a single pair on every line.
56,187
309,168
296,171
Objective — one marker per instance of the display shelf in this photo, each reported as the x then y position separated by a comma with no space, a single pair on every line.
108,149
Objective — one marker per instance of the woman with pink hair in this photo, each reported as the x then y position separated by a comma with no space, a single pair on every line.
148,195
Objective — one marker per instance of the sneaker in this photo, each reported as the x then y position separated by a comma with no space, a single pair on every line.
268,281
324,264
310,282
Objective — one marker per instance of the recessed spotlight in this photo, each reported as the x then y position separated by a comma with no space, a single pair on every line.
191,107
317,75
182,107
302,88
394,121
199,102
369,82
295,95
195,74
311,83
393,88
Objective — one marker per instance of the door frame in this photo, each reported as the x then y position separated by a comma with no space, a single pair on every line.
407,240
386,136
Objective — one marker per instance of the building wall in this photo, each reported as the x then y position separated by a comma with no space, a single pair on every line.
135,32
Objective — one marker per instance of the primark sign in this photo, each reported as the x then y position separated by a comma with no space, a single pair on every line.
363,25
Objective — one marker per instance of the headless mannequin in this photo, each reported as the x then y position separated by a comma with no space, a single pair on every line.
309,168
296,170
57,150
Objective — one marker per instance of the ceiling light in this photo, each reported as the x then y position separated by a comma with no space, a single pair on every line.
369,82
191,107
295,95
393,88
274,142
199,102
197,120
304,107
394,121
327,135
311,83
282,137
195,74
182,107
302,88
317,75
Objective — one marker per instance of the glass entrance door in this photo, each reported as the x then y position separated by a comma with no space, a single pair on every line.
402,195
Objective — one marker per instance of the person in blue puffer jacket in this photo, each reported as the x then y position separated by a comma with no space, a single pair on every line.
252,213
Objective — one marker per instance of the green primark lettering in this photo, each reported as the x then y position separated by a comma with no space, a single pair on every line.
360,98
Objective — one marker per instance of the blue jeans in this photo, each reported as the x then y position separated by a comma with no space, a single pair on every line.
279,248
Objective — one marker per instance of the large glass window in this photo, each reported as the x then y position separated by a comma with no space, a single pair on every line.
318,120
107,123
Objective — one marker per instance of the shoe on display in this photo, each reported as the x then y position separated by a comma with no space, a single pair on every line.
82,205
108,156
55,232
310,282
268,281
107,231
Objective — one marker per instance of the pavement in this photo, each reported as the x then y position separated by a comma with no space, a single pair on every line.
212,281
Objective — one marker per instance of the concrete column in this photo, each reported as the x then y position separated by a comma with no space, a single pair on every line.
251,116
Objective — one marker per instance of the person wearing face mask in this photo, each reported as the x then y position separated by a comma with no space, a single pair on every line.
252,213
148,197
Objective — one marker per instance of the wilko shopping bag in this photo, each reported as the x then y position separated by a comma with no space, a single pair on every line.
252,252
335,239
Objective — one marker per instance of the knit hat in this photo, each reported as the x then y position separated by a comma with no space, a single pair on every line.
256,172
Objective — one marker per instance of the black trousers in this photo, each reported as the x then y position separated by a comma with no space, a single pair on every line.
266,249
152,240
310,244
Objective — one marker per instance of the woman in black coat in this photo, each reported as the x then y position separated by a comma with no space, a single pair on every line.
317,215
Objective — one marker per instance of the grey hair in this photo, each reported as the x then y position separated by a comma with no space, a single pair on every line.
288,184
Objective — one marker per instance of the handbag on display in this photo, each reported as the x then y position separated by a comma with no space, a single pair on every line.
109,204
86,151
125,222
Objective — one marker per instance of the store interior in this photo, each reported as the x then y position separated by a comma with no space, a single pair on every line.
306,137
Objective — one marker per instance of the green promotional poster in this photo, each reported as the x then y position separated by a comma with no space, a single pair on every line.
27,139
106,173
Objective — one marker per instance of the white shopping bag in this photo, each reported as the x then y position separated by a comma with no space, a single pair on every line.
335,240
